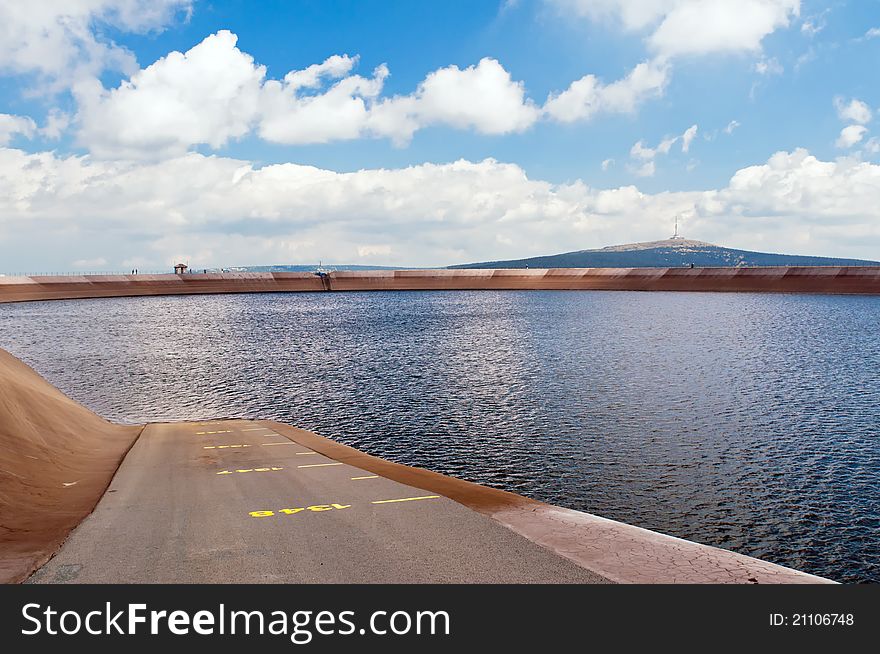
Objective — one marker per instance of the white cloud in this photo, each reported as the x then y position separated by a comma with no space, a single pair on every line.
872,33
215,93
688,27
481,97
706,26
639,151
11,126
210,95
687,137
61,43
833,194
333,67
607,163
731,126
873,146
633,15
588,96
666,144
220,211
769,66
850,135
815,24
674,28
647,155
647,169
339,113
57,123
854,111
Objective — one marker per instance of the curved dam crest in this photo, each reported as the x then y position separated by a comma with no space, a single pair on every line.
830,279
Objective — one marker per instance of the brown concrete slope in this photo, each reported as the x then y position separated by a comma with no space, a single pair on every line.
234,501
862,280
61,287
56,459
829,279
616,551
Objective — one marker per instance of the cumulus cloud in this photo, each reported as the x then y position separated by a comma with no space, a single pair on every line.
210,94
850,135
731,126
338,113
706,26
60,42
481,97
692,27
56,124
588,96
11,126
829,193
215,93
854,111
674,28
222,211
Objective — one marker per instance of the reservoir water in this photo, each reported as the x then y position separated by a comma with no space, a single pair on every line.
746,421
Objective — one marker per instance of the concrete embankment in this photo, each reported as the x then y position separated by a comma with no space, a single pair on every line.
56,459
259,501
847,280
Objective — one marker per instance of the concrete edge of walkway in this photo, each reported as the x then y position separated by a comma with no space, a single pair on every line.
617,551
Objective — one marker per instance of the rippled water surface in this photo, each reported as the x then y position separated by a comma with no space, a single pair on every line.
746,421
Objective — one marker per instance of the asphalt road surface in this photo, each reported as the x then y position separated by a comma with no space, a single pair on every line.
234,502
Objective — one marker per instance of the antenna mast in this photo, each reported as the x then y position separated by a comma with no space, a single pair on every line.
675,234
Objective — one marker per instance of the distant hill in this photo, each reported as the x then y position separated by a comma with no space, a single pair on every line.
671,253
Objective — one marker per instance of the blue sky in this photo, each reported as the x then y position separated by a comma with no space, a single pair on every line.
454,151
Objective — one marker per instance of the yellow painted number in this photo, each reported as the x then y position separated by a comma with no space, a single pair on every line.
316,508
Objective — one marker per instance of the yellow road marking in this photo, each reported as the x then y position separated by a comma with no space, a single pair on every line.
202,433
255,429
221,447
367,477
229,472
305,453
320,465
407,499
285,443
315,508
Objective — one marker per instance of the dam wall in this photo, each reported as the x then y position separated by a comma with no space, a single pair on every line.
824,279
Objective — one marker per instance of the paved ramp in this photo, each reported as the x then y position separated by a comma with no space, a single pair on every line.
235,501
